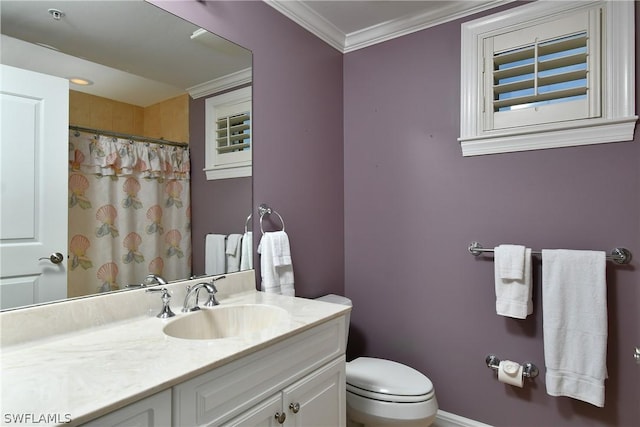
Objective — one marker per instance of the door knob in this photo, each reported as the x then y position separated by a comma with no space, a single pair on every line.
55,258
636,355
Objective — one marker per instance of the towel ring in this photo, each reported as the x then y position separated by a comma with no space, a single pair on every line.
246,223
266,210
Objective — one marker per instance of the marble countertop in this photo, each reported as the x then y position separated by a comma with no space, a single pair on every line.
87,373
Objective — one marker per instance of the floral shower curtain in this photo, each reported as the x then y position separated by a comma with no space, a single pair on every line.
129,212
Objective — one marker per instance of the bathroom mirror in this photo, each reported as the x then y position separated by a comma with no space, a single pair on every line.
146,55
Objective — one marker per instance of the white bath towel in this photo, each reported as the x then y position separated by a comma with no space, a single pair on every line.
246,257
233,252
574,309
281,249
275,278
214,252
513,297
511,261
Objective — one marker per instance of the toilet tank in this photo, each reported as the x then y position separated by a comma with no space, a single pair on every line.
338,299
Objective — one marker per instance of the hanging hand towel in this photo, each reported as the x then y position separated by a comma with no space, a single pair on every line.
281,250
214,252
511,261
574,309
513,297
246,258
275,278
233,252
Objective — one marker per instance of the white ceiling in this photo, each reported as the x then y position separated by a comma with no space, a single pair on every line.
133,51
349,25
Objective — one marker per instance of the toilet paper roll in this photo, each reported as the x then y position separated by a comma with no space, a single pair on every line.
510,373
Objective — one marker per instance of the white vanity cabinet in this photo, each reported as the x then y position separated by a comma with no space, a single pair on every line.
306,369
316,400
154,411
299,360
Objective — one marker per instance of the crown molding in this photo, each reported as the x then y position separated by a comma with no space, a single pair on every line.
220,84
416,22
307,18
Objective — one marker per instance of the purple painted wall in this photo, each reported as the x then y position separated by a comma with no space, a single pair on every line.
412,206
298,133
405,204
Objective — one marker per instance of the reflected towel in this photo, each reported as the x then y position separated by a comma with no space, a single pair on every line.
233,252
214,252
246,258
574,309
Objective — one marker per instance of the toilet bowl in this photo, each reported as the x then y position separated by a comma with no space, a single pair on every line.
386,393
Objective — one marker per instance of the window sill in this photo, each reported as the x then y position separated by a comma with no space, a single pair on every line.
225,173
596,131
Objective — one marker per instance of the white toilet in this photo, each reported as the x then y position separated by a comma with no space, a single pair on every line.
385,393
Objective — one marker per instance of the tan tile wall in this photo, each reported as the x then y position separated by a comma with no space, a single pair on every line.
168,119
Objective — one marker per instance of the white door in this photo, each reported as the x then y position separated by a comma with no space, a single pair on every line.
34,112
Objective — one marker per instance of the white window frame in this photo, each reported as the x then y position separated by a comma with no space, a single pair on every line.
226,165
617,83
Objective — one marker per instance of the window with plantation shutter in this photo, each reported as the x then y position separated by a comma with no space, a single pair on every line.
228,135
548,74
234,132
543,73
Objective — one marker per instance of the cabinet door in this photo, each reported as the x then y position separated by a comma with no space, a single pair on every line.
228,391
261,415
319,399
154,411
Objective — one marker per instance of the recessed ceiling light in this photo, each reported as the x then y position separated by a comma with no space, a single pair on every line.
81,81
56,13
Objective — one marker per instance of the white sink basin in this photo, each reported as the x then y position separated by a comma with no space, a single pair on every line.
226,321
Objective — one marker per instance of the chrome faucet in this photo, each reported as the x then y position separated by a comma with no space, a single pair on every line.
153,279
193,291
150,280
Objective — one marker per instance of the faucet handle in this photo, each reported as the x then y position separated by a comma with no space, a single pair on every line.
166,312
212,301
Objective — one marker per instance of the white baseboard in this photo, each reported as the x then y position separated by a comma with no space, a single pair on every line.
447,419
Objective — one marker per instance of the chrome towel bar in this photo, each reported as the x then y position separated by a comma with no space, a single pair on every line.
617,255
263,210
246,223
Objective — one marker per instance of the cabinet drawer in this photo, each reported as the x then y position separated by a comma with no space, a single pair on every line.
216,396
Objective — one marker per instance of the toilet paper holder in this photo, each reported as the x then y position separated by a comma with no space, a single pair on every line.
529,370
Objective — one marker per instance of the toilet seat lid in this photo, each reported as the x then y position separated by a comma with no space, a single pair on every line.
387,377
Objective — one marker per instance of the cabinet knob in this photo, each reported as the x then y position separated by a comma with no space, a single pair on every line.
294,407
280,417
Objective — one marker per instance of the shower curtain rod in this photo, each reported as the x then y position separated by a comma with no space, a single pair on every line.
131,137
